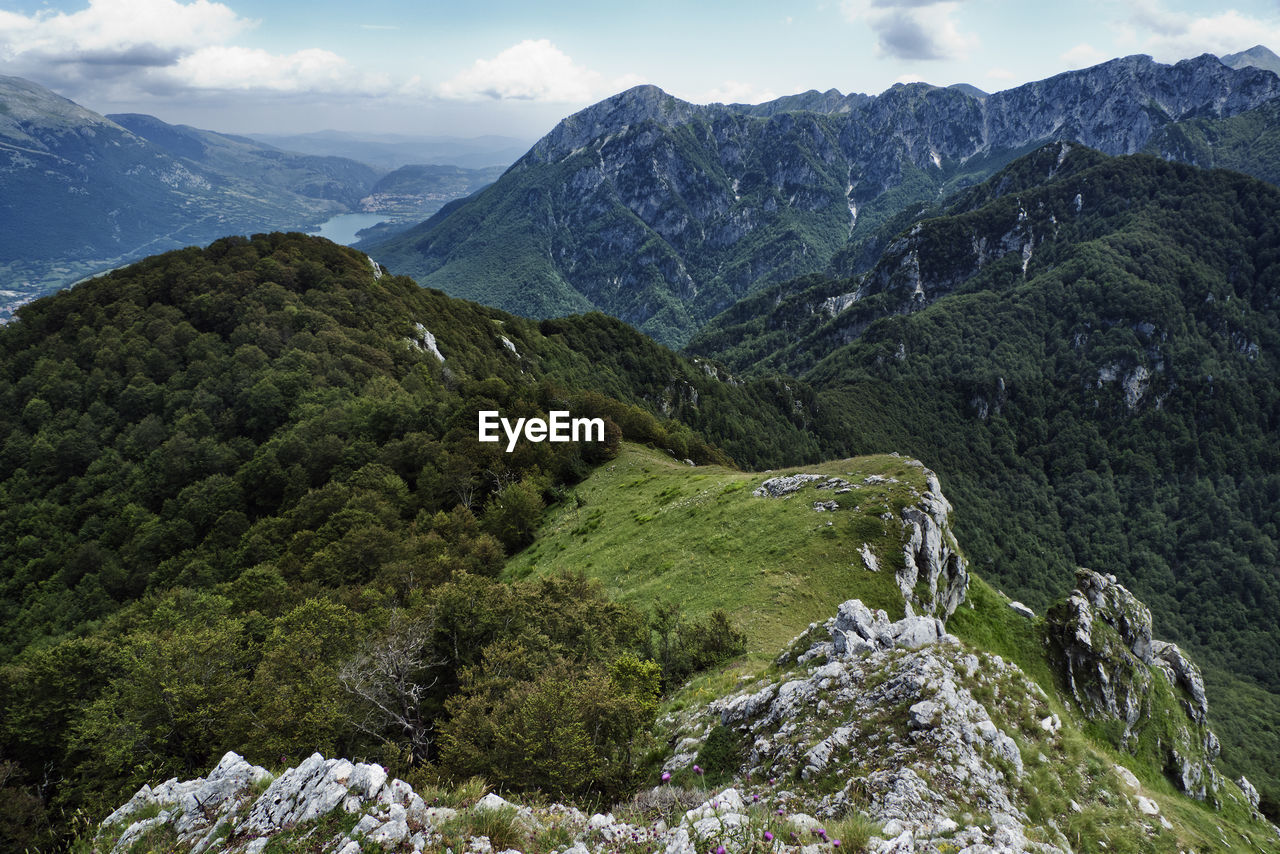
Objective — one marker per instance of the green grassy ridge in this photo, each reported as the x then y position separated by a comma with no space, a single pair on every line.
208,365
651,528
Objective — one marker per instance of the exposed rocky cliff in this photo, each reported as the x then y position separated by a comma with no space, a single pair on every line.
663,213
1101,636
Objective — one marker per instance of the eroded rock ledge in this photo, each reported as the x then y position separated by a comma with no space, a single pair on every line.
1101,638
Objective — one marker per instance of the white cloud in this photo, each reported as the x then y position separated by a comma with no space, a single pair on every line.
909,77
1000,74
228,67
130,47
128,31
912,29
533,70
1082,56
1170,35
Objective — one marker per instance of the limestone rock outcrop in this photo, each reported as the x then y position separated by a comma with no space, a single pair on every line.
938,747
934,577
1101,636
850,685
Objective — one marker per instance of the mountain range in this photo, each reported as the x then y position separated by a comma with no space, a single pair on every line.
1078,340
665,213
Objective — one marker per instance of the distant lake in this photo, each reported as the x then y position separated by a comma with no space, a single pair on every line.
343,227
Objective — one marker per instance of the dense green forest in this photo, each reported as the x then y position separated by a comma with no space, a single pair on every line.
1085,347
243,506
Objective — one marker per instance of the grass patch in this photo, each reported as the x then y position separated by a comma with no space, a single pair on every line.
503,827
437,793
659,530
310,837
161,839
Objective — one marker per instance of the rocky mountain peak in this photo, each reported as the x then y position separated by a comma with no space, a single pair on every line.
615,114
1258,56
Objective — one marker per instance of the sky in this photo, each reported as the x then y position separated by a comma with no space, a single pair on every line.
512,67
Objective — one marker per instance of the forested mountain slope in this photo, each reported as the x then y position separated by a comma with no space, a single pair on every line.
223,468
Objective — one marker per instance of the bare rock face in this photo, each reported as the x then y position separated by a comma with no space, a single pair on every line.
197,807
1102,638
847,685
1183,672
228,810
1104,634
934,577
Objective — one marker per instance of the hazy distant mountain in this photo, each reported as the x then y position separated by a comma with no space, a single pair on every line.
1257,56
664,213
391,151
80,192
261,167
419,191
969,90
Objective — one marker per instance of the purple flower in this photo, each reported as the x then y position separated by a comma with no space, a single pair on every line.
666,776
755,797
835,843
821,832
719,849
772,780
779,810
697,769
768,837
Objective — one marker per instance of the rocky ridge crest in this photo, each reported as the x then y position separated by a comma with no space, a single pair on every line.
939,747
933,576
